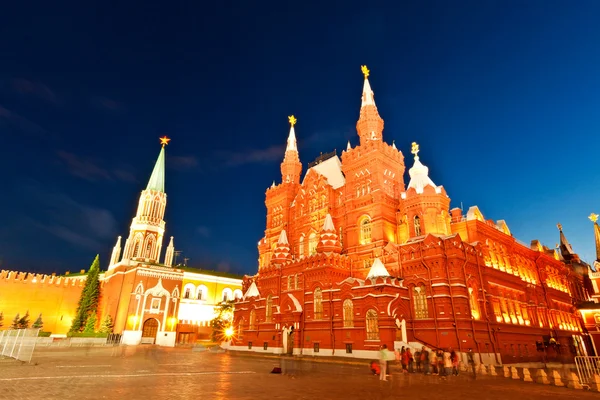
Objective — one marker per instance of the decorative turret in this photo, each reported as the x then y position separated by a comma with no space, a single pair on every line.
370,124
566,251
329,243
424,207
116,253
281,253
419,174
169,253
148,225
252,291
594,218
291,167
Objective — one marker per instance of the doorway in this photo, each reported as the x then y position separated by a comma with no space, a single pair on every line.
149,331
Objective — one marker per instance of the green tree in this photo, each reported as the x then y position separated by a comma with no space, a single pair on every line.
107,325
90,325
15,323
1,319
222,320
24,321
38,323
90,295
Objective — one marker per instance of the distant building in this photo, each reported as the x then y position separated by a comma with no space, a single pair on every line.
149,302
353,258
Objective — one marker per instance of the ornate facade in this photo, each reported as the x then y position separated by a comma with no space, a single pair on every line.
352,258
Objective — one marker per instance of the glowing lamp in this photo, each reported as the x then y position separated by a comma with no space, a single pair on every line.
229,331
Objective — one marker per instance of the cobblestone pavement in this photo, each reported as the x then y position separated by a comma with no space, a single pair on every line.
132,373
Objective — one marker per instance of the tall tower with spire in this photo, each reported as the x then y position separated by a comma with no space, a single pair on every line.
291,167
148,226
370,124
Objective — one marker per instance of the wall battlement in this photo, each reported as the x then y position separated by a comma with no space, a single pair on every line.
41,279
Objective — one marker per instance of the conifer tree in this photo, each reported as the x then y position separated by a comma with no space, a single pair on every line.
222,320
107,325
90,325
24,321
38,324
15,323
1,319
88,302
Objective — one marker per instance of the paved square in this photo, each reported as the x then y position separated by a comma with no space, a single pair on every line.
132,373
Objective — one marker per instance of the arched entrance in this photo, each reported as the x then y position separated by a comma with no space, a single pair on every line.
149,331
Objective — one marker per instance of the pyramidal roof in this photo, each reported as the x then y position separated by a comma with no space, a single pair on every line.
419,173
283,238
252,291
157,179
291,141
377,270
368,98
328,225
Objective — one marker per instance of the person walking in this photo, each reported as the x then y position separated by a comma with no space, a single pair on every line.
383,357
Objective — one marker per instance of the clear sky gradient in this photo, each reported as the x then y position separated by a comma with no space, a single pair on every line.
502,96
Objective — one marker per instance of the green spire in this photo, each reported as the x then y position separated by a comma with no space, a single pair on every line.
157,179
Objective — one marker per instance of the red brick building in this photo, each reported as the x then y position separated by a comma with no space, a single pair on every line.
352,258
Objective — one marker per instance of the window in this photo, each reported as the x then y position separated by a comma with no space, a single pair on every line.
372,325
290,283
417,222
202,292
237,294
136,248
474,303
316,347
227,294
313,241
187,293
199,295
252,320
318,303
420,302
155,305
348,313
296,281
365,230
269,308
301,246
348,348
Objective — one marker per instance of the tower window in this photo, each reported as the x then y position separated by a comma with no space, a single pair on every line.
365,230
372,325
420,302
348,313
301,247
269,308
313,241
417,222
318,303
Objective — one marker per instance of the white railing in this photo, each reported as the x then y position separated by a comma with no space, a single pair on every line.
18,343
587,367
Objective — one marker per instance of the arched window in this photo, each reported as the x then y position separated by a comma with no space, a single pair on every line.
301,246
227,294
318,303
365,230
252,320
313,241
202,292
136,247
420,302
188,291
237,294
348,313
417,222
296,281
269,308
372,325
474,303
290,283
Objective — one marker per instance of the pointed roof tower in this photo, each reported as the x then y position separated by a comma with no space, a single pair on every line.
419,173
377,270
252,291
566,251
157,179
329,242
370,124
291,168
281,254
594,218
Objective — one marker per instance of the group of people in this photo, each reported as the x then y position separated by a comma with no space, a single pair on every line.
430,362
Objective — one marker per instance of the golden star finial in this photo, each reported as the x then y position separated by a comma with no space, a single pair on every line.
292,120
164,141
593,217
365,71
415,149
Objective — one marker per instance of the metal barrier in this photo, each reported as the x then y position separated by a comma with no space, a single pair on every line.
586,367
18,343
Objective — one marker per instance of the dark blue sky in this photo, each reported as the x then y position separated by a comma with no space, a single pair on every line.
503,97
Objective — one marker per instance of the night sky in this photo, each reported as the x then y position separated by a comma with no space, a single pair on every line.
502,96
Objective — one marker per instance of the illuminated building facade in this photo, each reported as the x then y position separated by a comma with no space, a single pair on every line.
352,258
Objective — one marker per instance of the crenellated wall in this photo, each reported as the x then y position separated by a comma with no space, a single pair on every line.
55,297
